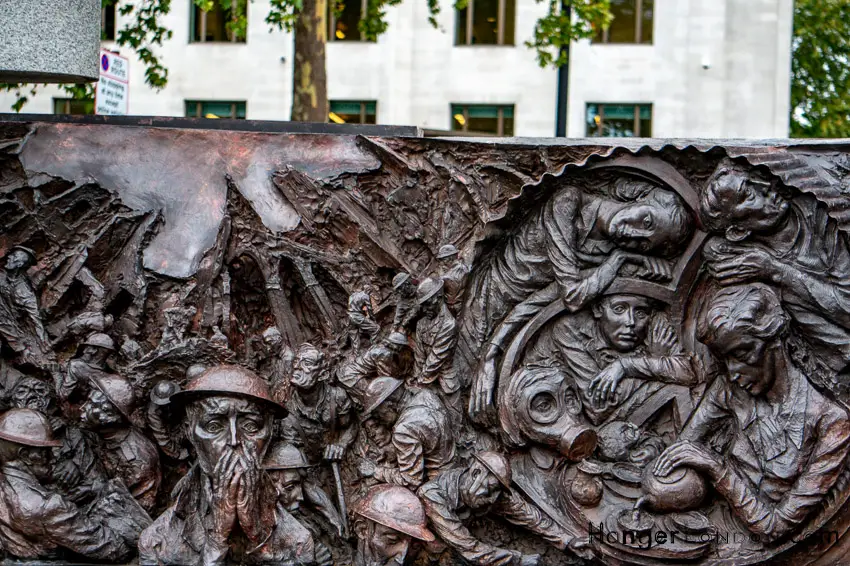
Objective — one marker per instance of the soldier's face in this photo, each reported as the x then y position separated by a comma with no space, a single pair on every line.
383,546
31,393
273,342
431,307
219,425
289,488
624,321
17,260
306,373
98,411
37,460
480,487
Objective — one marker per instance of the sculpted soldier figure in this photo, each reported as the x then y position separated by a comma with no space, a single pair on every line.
125,452
36,521
790,442
320,419
32,392
276,364
303,499
792,244
89,366
455,495
382,359
361,321
618,355
21,325
434,344
389,517
222,511
454,273
573,248
422,432
406,309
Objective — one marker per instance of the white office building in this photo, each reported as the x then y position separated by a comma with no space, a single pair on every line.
665,68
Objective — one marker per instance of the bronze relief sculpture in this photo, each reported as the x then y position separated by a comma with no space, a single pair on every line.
340,349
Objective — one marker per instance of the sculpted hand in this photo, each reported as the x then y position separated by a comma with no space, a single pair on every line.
689,455
366,468
653,268
226,479
247,501
334,452
67,473
748,264
603,388
483,385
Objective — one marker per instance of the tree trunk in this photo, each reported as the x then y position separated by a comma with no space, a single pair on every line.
309,78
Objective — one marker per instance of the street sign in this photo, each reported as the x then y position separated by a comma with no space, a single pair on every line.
113,87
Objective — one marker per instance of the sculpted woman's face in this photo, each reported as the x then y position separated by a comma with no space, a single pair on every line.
642,227
748,360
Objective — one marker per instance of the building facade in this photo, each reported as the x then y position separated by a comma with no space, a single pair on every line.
665,68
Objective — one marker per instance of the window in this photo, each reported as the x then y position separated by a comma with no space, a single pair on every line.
353,111
107,23
486,22
480,118
215,109
342,22
632,22
215,25
71,106
619,120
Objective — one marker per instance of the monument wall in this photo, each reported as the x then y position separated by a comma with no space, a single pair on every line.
251,347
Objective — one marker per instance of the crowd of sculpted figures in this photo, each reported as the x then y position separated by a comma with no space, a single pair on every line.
635,356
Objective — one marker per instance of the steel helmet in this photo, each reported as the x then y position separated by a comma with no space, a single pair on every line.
284,456
498,466
397,338
395,507
119,392
400,279
447,250
377,391
161,392
27,427
229,380
100,340
428,289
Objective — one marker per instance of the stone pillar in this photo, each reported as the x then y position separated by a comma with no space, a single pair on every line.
50,41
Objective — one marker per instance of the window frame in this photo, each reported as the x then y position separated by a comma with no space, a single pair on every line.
363,109
500,116
364,6
636,118
194,10
199,107
604,39
66,106
500,29
103,12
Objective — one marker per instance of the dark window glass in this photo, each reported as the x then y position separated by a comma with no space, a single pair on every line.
483,119
619,120
343,21
71,106
353,111
212,26
486,22
215,109
632,23
107,23
646,23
